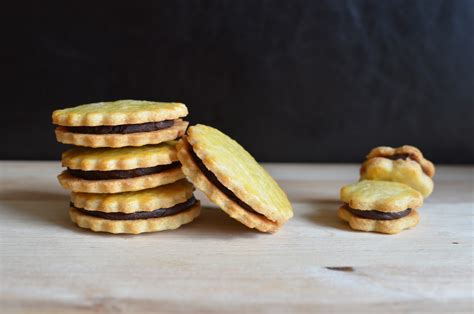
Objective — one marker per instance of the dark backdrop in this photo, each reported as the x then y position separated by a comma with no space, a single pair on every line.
291,80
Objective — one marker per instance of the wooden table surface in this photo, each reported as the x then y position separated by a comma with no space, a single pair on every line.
315,263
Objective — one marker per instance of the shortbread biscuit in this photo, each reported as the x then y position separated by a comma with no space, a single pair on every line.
76,184
406,171
125,158
192,172
404,152
381,226
128,202
383,196
119,112
232,179
121,140
380,206
134,226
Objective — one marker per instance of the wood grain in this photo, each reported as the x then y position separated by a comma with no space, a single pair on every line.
315,263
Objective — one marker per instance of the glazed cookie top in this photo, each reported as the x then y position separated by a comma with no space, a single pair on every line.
406,171
119,112
164,196
383,196
404,151
125,158
237,170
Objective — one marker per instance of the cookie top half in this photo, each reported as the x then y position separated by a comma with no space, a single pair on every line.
383,196
125,158
120,112
238,171
406,171
404,152
128,202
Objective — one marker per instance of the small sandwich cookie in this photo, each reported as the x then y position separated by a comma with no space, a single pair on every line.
404,164
232,179
162,208
105,170
120,123
380,206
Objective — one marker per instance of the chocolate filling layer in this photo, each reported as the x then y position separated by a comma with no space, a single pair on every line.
157,213
405,157
121,174
212,177
399,156
377,215
122,129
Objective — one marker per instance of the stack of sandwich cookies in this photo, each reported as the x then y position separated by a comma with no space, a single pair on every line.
105,170
404,164
380,206
120,123
128,178
162,208
232,179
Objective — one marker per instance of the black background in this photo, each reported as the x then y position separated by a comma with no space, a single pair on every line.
300,81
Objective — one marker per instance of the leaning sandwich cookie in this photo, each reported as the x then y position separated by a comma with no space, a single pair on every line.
105,170
404,164
232,179
120,123
162,208
380,206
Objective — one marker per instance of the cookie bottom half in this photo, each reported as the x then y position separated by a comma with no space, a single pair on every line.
75,184
381,226
121,140
194,174
135,226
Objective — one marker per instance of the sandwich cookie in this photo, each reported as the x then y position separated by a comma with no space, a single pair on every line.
380,206
162,208
232,179
404,164
120,123
104,170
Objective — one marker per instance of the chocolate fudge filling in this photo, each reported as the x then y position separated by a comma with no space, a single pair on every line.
399,156
157,213
121,174
212,177
377,215
405,157
122,129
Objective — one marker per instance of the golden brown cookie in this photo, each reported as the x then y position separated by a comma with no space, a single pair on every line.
381,226
107,170
380,206
406,171
404,152
122,140
232,179
120,123
134,226
192,172
128,202
76,184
